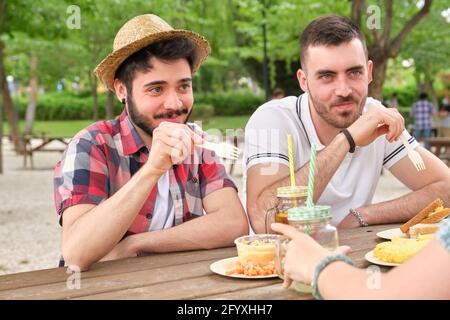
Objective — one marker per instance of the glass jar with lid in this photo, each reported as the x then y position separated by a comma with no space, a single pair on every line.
287,197
315,222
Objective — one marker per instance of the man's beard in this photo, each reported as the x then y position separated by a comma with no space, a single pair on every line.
144,123
345,118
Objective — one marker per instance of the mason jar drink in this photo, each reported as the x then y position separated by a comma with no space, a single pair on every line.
315,222
287,197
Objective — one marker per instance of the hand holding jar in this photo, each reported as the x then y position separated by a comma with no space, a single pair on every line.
302,255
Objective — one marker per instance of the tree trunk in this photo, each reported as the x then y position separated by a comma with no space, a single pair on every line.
109,105
93,82
430,88
417,78
31,109
378,74
1,137
8,106
357,9
383,47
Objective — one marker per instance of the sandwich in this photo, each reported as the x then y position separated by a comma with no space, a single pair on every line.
426,221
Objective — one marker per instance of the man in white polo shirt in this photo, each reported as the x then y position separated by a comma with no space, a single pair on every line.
355,136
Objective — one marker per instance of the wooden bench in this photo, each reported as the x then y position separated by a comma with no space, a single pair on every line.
41,147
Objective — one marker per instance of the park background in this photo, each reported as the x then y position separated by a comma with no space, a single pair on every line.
49,48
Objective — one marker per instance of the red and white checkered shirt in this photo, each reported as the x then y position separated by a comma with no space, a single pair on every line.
100,159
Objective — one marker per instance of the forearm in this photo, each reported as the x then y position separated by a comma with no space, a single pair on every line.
327,162
402,209
412,280
358,283
213,230
96,232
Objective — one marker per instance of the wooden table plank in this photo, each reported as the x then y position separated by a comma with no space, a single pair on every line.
181,275
107,283
270,292
48,276
191,288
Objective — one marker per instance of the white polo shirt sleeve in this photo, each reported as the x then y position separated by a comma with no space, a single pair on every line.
266,136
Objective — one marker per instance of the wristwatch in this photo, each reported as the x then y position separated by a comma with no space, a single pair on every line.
358,217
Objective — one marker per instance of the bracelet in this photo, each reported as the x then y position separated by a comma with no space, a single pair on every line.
350,140
358,217
325,262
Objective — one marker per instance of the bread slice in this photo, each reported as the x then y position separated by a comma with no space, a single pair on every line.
423,228
438,216
421,215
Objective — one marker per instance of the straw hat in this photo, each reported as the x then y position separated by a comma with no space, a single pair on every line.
138,33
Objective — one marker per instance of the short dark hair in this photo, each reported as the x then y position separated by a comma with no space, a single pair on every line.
423,96
171,49
331,30
277,92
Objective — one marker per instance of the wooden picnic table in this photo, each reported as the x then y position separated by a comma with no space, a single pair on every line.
440,147
180,275
42,146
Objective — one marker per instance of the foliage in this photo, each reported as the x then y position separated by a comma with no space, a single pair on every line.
201,112
65,106
232,103
406,96
232,27
68,128
69,106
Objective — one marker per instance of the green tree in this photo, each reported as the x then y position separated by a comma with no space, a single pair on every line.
284,21
386,27
428,46
44,21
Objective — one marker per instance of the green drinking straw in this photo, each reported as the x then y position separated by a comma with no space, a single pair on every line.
312,169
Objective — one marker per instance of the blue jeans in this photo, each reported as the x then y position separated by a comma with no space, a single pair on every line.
421,134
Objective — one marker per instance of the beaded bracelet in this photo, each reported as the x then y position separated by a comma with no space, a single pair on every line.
358,217
325,262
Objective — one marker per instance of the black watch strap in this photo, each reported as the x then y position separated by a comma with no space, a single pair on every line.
350,140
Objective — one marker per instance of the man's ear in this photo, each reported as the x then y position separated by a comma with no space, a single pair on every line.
369,70
120,89
301,77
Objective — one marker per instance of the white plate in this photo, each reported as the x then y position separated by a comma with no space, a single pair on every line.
389,234
372,259
221,267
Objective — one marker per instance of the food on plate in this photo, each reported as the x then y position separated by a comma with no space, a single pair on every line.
252,270
256,255
423,229
426,221
398,250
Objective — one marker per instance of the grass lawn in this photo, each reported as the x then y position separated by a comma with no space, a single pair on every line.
70,127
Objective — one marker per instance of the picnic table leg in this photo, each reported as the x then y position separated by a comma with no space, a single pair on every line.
25,158
31,160
25,153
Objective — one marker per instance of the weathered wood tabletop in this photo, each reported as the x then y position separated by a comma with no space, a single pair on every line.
181,275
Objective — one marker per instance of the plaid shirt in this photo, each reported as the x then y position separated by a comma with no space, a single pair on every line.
100,159
422,111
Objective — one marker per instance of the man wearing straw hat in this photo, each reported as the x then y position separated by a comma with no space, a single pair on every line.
134,184
355,136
